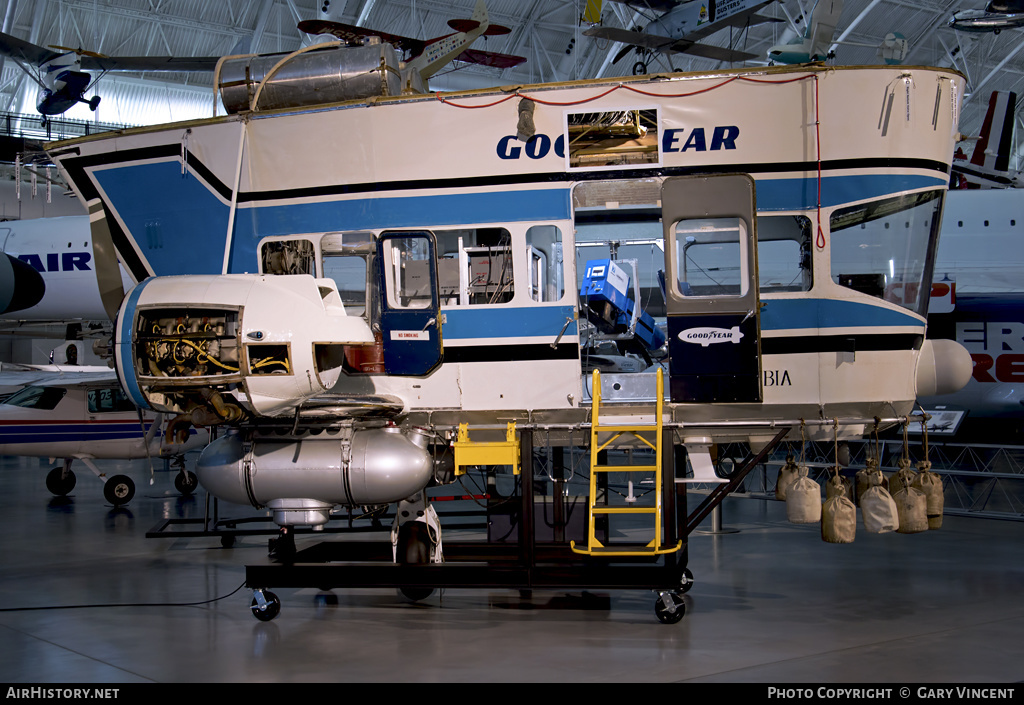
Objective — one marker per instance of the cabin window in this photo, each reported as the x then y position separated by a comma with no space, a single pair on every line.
544,253
108,400
349,272
296,256
784,253
711,256
408,264
474,266
889,264
44,398
613,139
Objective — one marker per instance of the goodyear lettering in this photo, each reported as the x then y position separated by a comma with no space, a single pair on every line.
537,147
59,261
723,137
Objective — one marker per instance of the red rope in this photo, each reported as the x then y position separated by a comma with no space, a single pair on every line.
819,241
626,87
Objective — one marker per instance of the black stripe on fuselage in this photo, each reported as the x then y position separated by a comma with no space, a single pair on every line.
841,343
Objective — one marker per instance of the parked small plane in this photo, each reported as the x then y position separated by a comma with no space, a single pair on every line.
80,413
680,28
63,73
427,56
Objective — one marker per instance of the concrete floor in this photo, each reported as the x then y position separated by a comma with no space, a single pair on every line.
86,597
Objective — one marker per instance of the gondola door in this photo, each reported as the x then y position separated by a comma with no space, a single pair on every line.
410,310
711,288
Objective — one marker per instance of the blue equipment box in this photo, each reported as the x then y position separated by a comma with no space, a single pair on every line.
605,293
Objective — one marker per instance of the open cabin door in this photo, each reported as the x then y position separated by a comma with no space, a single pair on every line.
410,315
711,293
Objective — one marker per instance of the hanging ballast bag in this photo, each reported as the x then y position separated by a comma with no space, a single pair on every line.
931,485
803,500
912,507
878,511
838,520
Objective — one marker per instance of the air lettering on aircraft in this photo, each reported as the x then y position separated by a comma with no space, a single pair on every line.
59,261
997,348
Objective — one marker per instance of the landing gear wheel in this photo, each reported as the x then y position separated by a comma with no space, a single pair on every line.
669,608
639,68
270,608
414,549
60,484
119,490
687,581
186,482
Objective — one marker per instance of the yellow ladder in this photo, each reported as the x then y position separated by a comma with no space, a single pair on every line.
595,547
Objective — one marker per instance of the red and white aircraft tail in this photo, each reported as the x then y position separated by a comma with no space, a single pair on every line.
989,164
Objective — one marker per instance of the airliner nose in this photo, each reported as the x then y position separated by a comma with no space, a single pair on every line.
21,286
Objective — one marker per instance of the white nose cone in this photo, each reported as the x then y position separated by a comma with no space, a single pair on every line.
944,367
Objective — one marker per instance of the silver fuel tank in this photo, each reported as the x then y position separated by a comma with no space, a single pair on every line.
302,479
310,78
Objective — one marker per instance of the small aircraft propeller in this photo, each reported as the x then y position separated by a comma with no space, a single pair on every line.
80,52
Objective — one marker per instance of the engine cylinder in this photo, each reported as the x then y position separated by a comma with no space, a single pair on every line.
367,466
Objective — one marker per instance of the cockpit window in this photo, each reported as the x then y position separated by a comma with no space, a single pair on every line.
44,398
883,248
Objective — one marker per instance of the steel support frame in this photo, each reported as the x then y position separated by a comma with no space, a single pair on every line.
526,564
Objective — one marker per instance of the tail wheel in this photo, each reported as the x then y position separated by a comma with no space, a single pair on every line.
60,484
414,549
119,490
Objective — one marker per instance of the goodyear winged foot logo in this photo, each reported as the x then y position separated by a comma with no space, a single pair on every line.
707,336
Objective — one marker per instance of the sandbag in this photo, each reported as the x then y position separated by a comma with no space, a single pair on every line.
870,476
904,477
838,520
788,474
838,485
912,508
878,510
931,485
803,500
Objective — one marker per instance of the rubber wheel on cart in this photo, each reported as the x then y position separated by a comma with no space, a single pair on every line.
414,549
669,615
687,581
272,609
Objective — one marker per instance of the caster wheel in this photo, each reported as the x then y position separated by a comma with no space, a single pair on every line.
119,490
270,609
414,549
186,482
687,581
58,484
227,540
669,608
639,68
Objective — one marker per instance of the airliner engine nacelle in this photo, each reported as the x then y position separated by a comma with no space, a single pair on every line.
222,349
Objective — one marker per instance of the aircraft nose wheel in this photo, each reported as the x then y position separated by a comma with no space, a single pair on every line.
265,605
186,482
59,483
669,608
119,490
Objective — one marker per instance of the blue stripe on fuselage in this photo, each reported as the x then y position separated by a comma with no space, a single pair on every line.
187,218
799,314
